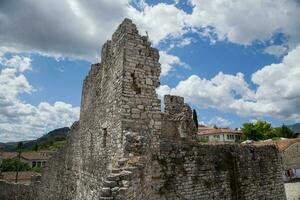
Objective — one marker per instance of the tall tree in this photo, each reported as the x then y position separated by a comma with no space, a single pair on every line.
195,118
19,149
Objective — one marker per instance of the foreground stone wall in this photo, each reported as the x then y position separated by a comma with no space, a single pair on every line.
193,171
290,156
12,191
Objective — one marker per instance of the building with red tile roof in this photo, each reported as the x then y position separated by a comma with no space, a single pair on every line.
33,158
211,134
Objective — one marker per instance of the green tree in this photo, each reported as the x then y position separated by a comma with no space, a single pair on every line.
195,118
19,149
12,164
36,147
259,130
284,131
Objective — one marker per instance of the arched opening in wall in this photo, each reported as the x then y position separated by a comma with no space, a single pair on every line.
104,139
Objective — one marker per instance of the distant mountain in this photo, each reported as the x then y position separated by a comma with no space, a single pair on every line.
295,127
57,134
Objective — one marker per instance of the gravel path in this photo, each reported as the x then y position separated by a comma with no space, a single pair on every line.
292,190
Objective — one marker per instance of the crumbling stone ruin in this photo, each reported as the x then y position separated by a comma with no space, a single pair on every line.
177,120
124,147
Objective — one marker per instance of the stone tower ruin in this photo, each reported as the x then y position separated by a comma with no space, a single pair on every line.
124,147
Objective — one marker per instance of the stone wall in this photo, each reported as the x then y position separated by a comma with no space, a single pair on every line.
291,156
12,191
118,148
177,121
193,171
119,120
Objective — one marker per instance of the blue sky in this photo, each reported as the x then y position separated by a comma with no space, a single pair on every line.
234,62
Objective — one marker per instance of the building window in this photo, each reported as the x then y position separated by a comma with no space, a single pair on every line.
33,163
39,164
217,136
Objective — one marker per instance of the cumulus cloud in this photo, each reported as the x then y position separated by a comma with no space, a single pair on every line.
219,122
276,50
20,120
77,29
68,28
277,91
214,93
161,21
168,61
246,21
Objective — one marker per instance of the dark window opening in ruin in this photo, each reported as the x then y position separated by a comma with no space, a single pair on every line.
104,137
135,87
140,51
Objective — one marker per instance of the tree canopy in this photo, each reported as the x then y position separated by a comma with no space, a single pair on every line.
262,130
13,164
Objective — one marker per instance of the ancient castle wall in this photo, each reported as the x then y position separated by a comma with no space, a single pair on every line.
119,118
124,147
193,171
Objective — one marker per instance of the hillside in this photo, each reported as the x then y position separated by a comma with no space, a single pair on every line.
56,136
295,127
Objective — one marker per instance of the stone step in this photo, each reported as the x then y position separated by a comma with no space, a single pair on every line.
110,184
126,175
106,198
116,170
114,177
122,161
105,192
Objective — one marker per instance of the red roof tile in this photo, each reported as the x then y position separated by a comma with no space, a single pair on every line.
213,131
280,144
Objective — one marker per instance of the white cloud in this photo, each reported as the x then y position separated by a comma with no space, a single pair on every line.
211,93
277,93
219,122
276,50
161,20
246,21
76,29
67,28
168,61
20,120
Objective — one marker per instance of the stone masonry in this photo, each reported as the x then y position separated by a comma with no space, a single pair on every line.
177,119
124,147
